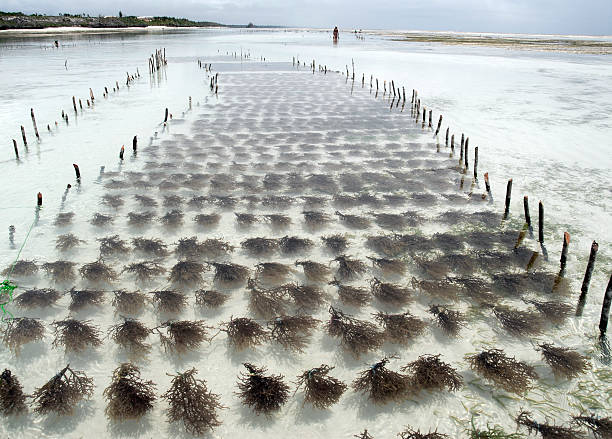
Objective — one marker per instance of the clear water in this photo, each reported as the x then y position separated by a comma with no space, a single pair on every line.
543,119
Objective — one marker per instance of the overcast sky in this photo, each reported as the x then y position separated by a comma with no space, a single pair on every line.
586,17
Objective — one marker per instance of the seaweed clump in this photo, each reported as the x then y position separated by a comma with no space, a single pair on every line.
62,392
129,396
518,322
400,328
210,298
182,336
145,270
173,218
191,402
304,296
293,244
547,431
60,271
37,298
100,220
153,246
512,375
600,427
97,271
68,241
410,433
266,302
22,330
76,335
244,332
264,393
336,243
389,266
130,335
428,372
79,299
553,311
129,302
350,295
321,390
564,362
392,294
314,271
292,332
260,246
349,268
273,272
229,273
168,301
187,273
112,245
21,268
382,385
357,336
12,398
448,320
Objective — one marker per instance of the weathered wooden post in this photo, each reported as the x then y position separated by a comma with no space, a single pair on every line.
121,152
74,104
508,195
487,185
34,123
166,115
605,309
39,199
77,171
563,261
526,208
439,125
467,141
15,148
541,222
446,140
453,142
134,143
587,279
476,162
23,136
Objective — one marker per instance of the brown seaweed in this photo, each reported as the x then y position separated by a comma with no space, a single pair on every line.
22,330
428,372
320,389
525,419
517,322
80,299
448,320
552,310
400,328
131,336
389,266
336,243
37,298
349,268
150,246
272,272
292,332
112,246
144,270
357,336
381,384
243,332
75,335
192,403
62,392
129,302
187,273
229,273
351,295
314,271
410,433
182,336
101,220
21,268
97,271
210,298
512,375
60,271
128,395
564,362
600,427
169,301
263,393
292,244
389,293
68,241
260,246
12,398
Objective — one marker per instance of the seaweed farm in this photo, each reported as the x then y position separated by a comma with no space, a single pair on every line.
292,249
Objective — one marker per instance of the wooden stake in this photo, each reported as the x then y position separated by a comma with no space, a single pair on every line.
166,116
439,125
476,162
23,136
39,199
566,241
16,149
508,195
526,206
121,152
587,279
80,104
134,143
34,123
453,142
487,185
77,171
74,104
91,95
541,222
467,141
446,140
605,309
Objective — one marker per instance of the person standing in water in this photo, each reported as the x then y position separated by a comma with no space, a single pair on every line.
336,34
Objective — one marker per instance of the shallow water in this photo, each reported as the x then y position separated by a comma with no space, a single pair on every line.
270,118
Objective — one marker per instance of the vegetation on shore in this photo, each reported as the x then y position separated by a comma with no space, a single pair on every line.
19,20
